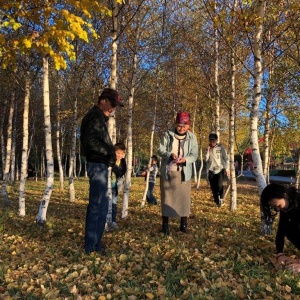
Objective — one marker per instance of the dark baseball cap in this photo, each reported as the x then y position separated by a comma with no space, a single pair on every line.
113,96
213,136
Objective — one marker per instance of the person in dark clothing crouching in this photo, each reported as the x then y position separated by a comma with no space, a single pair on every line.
285,200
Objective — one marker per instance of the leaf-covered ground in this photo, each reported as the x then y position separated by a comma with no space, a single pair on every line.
223,256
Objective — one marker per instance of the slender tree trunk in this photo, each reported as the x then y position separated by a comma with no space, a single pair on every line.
266,143
257,168
257,171
6,169
58,147
193,126
129,164
79,161
201,168
232,185
111,124
13,147
41,216
2,142
151,136
24,161
127,183
217,88
72,164
200,149
297,184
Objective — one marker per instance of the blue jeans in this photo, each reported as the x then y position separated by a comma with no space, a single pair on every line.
97,208
114,204
115,193
150,197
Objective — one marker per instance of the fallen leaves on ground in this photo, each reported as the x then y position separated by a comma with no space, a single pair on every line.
223,256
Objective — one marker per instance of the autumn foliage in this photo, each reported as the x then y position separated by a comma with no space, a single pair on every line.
223,257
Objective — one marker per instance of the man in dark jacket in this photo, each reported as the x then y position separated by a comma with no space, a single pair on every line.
98,149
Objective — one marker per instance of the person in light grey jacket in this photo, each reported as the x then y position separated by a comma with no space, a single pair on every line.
216,165
178,149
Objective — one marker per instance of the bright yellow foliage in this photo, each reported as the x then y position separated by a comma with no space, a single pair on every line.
27,43
57,26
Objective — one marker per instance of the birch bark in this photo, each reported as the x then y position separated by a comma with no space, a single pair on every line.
111,124
58,138
257,163
24,161
232,112
41,216
232,186
6,169
217,87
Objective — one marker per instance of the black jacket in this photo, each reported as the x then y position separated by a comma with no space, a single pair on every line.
121,169
289,225
95,140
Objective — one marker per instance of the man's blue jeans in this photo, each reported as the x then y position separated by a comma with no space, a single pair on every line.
97,208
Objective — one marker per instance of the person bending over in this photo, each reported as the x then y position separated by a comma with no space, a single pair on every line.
276,198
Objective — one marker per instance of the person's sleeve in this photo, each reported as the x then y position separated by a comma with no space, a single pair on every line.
207,156
162,149
225,158
193,154
280,235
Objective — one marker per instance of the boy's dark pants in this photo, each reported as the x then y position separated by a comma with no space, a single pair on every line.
216,185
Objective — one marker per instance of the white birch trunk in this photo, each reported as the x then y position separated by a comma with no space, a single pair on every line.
1,133
6,168
24,161
217,88
129,151
201,168
112,120
127,183
232,185
79,161
151,141
72,164
297,184
58,146
266,142
193,128
257,163
109,193
13,148
41,216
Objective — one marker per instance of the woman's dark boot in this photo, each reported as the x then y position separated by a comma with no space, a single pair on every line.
165,226
183,224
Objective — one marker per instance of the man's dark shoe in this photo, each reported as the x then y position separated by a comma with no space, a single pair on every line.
102,252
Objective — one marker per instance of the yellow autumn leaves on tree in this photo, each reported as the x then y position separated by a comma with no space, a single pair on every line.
46,28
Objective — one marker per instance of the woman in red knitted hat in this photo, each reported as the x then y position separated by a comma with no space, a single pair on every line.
178,150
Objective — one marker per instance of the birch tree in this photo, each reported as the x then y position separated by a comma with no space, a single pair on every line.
58,138
111,125
24,160
6,168
41,216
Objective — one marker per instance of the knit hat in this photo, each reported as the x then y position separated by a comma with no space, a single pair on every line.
183,117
